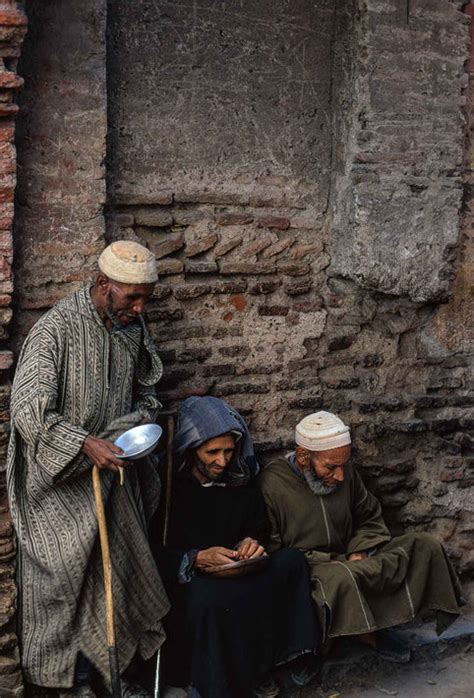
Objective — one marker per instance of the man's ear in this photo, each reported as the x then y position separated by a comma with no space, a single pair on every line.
102,283
302,457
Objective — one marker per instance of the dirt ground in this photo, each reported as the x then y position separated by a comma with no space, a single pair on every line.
451,677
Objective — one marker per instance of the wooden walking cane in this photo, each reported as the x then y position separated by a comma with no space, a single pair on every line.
109,601
167,493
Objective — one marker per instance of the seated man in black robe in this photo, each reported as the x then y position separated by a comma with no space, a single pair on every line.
225,635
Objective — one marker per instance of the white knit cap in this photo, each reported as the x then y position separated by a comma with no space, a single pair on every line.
128,262
322,431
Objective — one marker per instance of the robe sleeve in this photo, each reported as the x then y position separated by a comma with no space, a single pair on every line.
146,402
274,541
56,444
369,529
257,524
149,372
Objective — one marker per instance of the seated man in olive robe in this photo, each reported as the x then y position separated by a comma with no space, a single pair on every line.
225,635
363,580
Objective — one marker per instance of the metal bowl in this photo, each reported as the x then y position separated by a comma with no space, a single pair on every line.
139,441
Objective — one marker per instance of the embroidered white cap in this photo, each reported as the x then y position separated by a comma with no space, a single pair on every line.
128,262
322,431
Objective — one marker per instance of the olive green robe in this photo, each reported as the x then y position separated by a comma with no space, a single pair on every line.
404,576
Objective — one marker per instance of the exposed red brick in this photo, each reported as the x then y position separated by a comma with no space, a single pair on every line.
190,291
12,16
169,266
293,268
229,287
6,360
278,247
239,302
264,287
308,306
173,243
297,288
161,291
273,222
200,245
255,247
8,109
226,246
234,219
280,310
9,80
236,350
205,267
301,251
247,268
6,192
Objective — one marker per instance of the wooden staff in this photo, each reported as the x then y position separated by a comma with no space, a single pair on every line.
169,475
109,600
167,492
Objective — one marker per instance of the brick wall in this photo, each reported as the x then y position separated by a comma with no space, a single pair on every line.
299,171
283,304
12,31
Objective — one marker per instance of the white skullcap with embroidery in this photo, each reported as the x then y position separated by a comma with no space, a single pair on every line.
322,431
128,262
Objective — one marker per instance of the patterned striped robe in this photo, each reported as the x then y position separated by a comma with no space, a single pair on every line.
75,378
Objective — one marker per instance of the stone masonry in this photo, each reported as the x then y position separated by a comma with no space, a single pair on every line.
286,288
303,173
12,30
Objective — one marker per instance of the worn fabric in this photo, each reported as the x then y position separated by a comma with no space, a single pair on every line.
204,418
223,634
128,262
407,575
75,378
322,431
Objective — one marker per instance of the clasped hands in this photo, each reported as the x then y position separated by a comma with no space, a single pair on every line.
247,549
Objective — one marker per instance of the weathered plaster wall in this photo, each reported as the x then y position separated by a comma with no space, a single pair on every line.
233,97
61,152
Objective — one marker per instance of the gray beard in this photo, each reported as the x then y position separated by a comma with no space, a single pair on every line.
316,485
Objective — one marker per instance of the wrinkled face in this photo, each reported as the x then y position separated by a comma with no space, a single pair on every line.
123,303
213,456
328,466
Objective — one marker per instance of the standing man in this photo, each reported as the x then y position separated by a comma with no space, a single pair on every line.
87,372
363,580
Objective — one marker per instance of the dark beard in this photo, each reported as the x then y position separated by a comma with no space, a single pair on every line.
316,485
203,469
